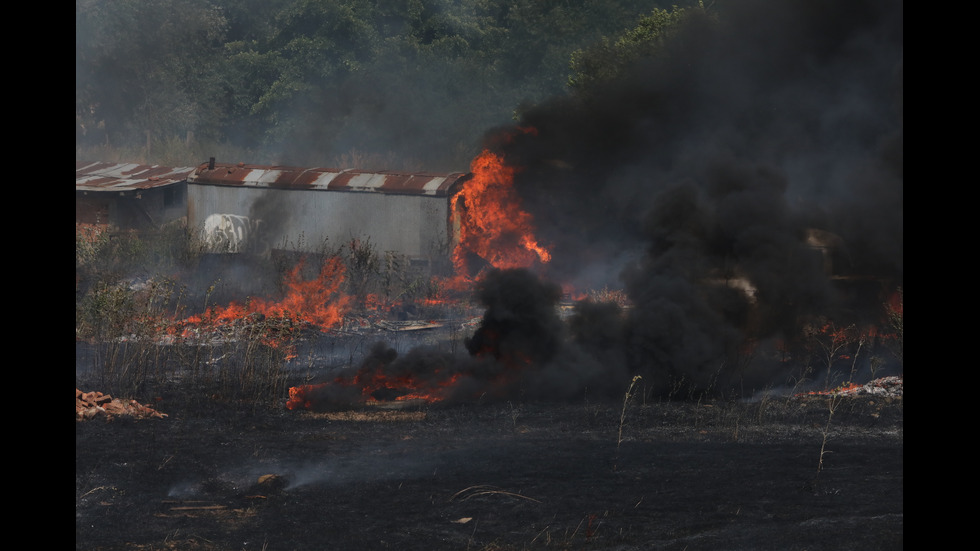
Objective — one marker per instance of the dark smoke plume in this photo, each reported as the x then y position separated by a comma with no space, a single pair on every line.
524,348
520,324
521,349
520,332
698,180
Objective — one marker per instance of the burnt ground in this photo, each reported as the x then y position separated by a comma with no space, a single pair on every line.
503,476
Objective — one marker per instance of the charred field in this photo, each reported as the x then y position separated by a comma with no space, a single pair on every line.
774,473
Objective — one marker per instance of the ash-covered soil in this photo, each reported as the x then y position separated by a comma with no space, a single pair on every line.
705,476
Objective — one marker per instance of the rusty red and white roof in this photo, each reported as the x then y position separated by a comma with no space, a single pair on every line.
102,176
326,179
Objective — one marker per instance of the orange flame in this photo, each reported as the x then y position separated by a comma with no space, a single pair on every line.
403,387
493,224
844,389
316,302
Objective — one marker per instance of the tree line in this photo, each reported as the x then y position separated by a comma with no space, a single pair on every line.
396,84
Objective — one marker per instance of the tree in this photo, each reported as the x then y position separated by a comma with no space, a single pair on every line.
609,57
309,81
142,68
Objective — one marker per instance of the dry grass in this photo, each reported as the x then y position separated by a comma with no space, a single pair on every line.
485,490
384,416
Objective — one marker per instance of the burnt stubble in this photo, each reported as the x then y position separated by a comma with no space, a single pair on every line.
505,475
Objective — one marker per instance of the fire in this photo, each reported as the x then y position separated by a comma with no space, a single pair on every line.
492,223
844,389
493,226
373,385
317,303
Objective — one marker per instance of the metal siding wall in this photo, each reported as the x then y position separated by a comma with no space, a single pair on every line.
415,226
434,228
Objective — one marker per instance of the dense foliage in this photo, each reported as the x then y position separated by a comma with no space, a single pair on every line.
396,84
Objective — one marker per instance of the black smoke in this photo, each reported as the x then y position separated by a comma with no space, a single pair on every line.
520,324
522,349
529,351
710,165
519,334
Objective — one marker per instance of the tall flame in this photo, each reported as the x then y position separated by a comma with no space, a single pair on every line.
492,222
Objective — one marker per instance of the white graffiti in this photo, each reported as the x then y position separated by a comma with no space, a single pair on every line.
227,233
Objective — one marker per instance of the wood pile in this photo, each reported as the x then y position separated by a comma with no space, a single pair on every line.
93,405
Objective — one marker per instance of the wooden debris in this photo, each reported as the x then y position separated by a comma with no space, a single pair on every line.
92,405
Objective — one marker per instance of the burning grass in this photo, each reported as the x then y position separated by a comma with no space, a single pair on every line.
142,335
316,302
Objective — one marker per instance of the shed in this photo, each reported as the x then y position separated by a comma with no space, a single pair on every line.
130,196
241,208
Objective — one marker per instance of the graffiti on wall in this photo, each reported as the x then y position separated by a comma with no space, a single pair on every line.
230,233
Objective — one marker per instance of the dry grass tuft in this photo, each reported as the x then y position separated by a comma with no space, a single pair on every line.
483,490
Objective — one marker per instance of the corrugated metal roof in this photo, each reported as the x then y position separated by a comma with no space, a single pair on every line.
97,176
326,179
